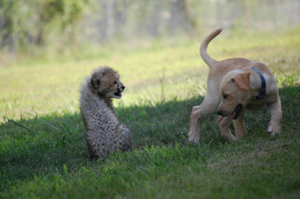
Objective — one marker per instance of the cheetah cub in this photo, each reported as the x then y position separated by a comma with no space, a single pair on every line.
104,133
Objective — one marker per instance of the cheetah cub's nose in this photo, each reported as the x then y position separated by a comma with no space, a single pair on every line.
123,87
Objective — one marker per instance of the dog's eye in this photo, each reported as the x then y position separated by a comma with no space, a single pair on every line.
225,96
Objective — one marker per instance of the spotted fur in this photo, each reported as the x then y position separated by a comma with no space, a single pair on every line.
104,133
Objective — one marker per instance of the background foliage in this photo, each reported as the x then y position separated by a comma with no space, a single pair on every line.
56,28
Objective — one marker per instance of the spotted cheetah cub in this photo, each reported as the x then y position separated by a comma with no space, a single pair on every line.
104,133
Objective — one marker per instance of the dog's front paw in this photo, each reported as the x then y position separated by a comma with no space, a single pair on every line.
273,129
193,137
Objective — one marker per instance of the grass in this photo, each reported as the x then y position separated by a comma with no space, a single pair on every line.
43,153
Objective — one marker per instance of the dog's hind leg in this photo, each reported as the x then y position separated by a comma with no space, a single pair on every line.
276,117
239,127
198,112
224,127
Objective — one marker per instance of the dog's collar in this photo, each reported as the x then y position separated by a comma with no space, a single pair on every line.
263,85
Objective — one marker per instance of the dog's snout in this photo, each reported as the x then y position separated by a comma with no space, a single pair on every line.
123,87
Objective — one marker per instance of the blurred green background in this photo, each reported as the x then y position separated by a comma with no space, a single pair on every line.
68,29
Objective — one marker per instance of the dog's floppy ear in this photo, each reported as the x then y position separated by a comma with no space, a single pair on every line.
242,80
96,80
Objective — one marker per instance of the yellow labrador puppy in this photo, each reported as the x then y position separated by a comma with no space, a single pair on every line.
234,85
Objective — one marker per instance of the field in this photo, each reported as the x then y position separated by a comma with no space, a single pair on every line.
43,153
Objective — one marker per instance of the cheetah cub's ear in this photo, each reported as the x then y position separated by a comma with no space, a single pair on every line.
96,80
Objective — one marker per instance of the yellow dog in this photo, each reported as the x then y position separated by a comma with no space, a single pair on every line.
234,85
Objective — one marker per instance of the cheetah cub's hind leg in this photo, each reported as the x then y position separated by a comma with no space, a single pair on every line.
125,138
105,134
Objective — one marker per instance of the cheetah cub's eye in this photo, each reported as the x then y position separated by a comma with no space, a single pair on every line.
115,82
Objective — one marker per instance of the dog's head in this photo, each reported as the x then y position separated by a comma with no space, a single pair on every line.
105,81
234,93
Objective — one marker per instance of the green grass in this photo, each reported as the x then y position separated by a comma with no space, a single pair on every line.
43,153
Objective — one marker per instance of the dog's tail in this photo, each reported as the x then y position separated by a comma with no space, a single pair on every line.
205,56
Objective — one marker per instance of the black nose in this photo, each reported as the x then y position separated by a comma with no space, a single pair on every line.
219,112
123,87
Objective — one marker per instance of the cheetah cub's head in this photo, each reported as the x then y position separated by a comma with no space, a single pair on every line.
105,81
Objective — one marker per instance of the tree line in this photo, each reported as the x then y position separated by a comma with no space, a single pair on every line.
32,22
28,25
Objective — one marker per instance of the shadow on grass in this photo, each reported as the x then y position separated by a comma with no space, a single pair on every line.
52,141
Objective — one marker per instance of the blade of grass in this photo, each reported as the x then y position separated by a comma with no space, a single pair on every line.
21,125
51,126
